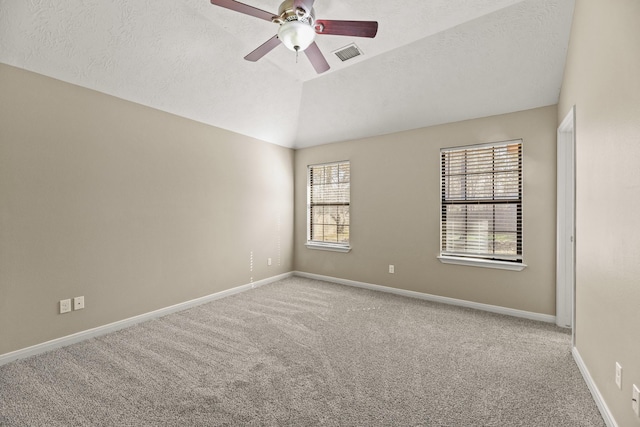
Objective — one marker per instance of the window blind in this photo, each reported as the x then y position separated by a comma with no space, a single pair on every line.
328,203
481,214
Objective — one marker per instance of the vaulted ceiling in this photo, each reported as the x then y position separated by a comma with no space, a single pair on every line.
432,61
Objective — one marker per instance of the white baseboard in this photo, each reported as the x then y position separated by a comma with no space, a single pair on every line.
121,324
600,403
435,298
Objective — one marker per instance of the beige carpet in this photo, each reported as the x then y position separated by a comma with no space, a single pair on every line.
303,352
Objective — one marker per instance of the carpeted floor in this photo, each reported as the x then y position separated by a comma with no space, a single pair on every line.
303,352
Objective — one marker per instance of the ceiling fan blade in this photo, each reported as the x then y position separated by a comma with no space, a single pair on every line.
347,28
263,49
244,8
316,58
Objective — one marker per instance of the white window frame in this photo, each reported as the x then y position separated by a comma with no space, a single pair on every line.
325,245
514,263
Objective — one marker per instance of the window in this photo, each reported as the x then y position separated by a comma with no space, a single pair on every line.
481,211
328,206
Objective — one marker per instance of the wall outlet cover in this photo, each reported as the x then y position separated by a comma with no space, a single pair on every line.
65,306
78,303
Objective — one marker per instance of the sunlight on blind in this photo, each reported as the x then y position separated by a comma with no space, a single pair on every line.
482,201
329,197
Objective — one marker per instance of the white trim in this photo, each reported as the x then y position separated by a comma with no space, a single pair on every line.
121,324
548,318
482,145
328,247
337,162
479,262
565,222
607,416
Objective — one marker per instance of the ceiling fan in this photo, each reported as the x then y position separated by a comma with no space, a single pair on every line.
298,28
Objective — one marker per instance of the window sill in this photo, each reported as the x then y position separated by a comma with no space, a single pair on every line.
328,247
478,262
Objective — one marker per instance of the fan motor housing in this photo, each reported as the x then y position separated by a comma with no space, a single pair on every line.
289,12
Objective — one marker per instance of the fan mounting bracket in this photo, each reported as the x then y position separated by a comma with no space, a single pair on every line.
289,12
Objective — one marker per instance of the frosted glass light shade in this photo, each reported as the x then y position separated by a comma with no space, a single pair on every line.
296,35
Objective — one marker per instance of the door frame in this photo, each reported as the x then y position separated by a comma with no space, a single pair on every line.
566,223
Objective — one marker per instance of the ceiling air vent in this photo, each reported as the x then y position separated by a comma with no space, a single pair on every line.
348,52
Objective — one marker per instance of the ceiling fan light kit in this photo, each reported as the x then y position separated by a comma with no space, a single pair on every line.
298,29
296,35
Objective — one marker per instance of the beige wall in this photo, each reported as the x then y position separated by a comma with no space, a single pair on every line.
395,207
602,79
133,208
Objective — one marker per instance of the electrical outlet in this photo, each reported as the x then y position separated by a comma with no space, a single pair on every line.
268,261
65,306
619,376
78,303
392,269
635,403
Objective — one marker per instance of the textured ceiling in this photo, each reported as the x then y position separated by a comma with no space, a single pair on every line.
432,62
